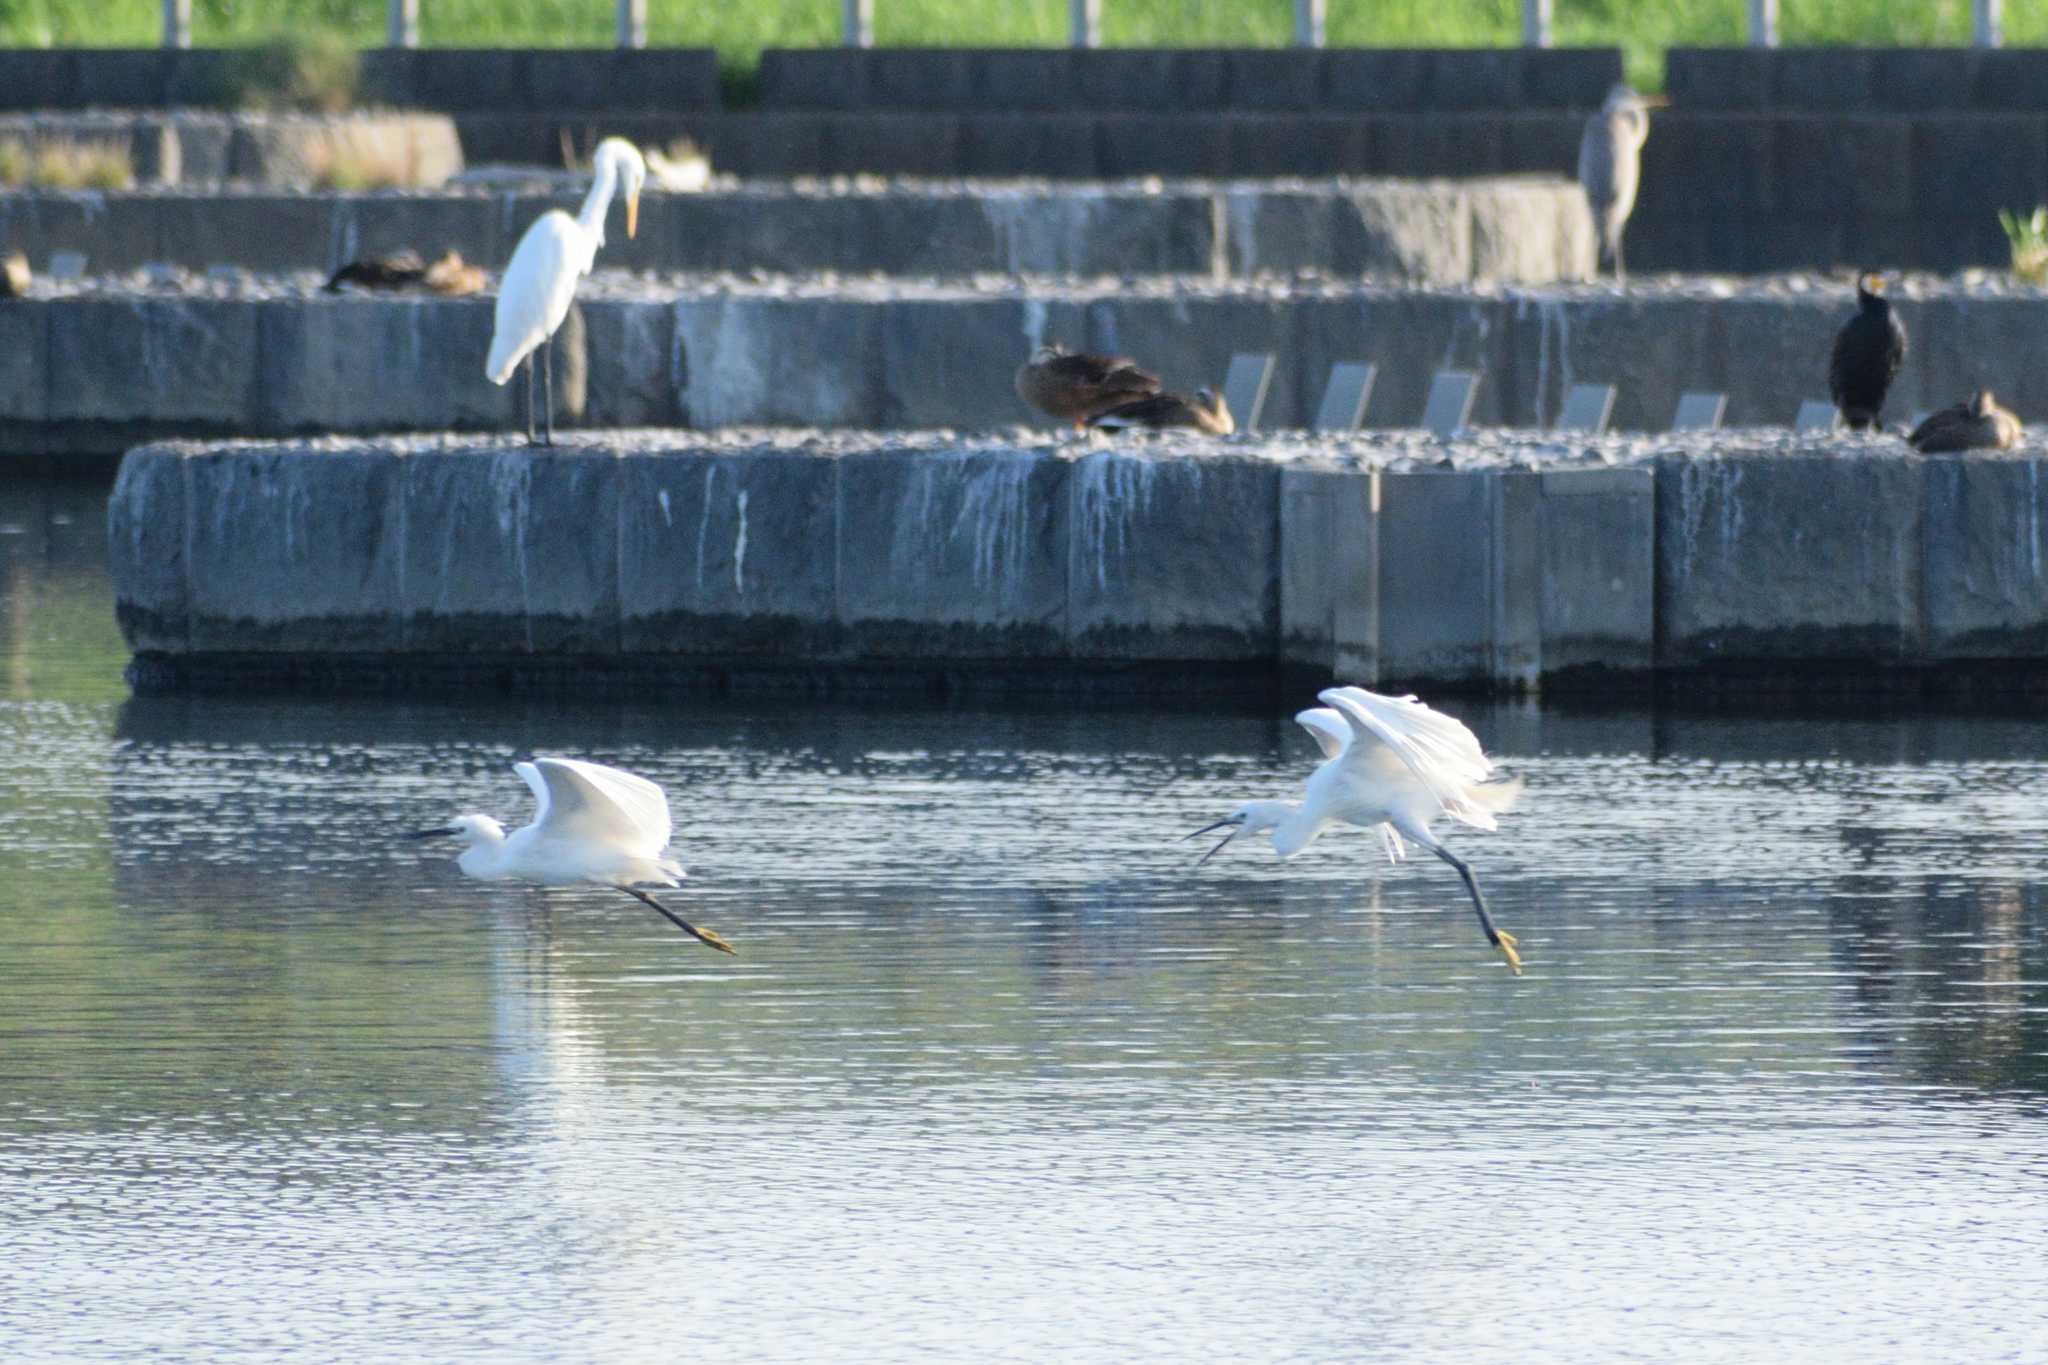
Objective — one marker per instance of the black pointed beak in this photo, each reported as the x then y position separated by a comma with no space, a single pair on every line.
1231,821
428,833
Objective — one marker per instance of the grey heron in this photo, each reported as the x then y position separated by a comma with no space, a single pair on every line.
1611,164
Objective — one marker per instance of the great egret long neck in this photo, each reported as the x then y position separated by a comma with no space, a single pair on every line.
599,201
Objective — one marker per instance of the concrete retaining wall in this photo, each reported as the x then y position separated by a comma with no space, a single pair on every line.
1863,79
1814,557
777,552
1156,79
93,372
1733,191
187,148
445,79
1512,229
768,552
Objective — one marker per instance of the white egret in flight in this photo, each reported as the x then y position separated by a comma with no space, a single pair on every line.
1389,763
540,281
595,824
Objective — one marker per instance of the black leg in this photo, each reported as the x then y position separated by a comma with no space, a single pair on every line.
531,439
1620,272
703,935
547,411
1504,942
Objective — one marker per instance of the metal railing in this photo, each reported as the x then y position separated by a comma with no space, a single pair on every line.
857,26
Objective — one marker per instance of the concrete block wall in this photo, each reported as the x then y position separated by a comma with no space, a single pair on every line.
181,147
1723,190
90,373
450,80
1790,188
1860,79
1790,558
788,552
1513,230
1173,79
774,553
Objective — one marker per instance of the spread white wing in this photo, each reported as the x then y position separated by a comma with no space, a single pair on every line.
590,801
1330,730
1439,752
1333,735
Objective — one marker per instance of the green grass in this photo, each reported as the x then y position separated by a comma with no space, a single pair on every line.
740,31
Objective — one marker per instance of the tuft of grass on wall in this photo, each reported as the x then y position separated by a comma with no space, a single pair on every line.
59,163
2028,239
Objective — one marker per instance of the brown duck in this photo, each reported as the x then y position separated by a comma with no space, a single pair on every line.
1075,386
405,270
453,276
1979,424
1205,412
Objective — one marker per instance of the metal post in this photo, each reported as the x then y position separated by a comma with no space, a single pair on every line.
1986,30
858,25
632,23
1763,23
1308,23
177,23
1536,23
1087,22
402,23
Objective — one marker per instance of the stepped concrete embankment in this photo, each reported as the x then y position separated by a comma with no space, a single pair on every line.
89,367
187,147
754,558
1512,229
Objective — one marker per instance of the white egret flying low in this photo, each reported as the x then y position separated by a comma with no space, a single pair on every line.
595,824
1389,763
540,281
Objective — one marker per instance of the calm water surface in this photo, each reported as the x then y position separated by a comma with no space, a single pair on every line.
999,1074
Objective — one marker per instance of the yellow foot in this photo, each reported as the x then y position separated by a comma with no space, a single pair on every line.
1506,944
717,942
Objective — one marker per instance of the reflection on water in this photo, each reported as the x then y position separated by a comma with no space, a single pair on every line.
998,1073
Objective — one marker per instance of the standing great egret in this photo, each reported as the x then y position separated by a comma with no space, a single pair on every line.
540,280
1389,763
595,824
1611,165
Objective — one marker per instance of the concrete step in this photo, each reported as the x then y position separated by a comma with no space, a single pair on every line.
1512,564
1515,229
93,369
1772,189
183,147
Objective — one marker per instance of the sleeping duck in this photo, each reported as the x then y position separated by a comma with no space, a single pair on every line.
1205,412
1075,386
1979,424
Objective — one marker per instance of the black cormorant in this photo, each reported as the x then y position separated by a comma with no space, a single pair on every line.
1868,352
